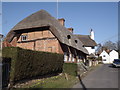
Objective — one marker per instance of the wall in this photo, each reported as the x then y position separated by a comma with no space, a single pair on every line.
45,41
109,57
90,50
105,57
113,55
40,41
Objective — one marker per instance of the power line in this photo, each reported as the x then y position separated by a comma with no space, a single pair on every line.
114,36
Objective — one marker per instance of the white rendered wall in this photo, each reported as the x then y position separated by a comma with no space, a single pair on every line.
105,56
92,34
90,50
113,55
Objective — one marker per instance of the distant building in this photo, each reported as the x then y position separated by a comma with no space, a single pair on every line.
113,55
105,57
108,57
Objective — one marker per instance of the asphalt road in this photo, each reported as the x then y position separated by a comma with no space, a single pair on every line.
104,76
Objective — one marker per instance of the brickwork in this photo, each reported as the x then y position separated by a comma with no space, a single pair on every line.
38,40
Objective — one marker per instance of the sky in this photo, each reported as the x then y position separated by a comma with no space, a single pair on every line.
102,17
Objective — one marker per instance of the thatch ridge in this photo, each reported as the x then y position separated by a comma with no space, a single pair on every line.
86,40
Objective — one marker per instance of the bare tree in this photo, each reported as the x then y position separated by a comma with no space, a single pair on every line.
110,45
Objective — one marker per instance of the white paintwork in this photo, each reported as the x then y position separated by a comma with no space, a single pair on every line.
92,34
90,50
65,57
113,55
105,57
109,57
70,57
73,59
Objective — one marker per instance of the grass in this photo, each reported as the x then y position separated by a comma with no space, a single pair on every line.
59,81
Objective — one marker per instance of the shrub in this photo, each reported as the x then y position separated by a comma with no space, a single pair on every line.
70,68
27,63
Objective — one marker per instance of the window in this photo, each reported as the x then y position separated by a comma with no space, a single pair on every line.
103,55
104,59
23,37
68,37
76,41
93,47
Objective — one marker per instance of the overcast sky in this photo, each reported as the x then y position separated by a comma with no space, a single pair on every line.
102,17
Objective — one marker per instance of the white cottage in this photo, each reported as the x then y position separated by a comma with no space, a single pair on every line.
113,55
105,57
108,58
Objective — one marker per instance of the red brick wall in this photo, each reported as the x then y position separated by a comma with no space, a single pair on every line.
40,41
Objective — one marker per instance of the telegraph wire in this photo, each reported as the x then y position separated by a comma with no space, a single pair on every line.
114,36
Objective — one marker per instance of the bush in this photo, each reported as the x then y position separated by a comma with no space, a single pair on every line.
70,68
27,63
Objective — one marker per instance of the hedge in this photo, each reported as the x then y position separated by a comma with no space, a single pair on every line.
70,68
27,63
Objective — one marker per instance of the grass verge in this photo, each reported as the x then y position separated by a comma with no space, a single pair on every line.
58,81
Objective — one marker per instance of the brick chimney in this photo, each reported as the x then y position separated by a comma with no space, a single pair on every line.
70,29
62,21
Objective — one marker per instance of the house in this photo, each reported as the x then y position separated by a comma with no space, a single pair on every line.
88,42
113,55
105,57
108,57
42,32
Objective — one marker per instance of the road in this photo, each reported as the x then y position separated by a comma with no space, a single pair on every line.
104,76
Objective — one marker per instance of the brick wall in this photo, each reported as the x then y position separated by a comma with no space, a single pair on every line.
38,40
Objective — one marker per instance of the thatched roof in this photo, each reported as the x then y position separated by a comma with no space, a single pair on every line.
41,19
1,36
86,40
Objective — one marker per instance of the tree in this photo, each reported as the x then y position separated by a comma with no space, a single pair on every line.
110,45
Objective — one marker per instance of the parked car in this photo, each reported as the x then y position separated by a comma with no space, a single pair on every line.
116,63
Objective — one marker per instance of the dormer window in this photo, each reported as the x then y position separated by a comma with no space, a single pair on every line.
23,37
76,41
68,37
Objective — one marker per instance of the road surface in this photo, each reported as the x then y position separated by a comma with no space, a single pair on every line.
104,76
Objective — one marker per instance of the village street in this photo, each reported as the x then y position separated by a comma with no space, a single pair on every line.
104,76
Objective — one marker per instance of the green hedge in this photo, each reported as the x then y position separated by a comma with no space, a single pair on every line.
27,63
70,68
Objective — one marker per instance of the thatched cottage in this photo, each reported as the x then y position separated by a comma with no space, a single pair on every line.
42,32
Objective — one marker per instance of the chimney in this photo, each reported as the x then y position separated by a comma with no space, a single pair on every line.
62,21
70,29
92,34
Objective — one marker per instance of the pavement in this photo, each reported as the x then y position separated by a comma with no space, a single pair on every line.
104,76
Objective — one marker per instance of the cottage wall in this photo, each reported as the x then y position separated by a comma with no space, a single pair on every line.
90,50
38,40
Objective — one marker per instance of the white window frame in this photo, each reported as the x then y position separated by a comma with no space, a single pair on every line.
23,37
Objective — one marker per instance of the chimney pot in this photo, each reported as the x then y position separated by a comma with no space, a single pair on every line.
70,29
62,21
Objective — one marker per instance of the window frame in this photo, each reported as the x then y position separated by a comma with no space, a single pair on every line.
24,37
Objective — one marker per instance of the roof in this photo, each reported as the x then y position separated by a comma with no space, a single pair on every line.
91,55
41,19
1,36
86,40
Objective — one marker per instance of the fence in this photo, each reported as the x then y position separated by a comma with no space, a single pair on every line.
4,72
